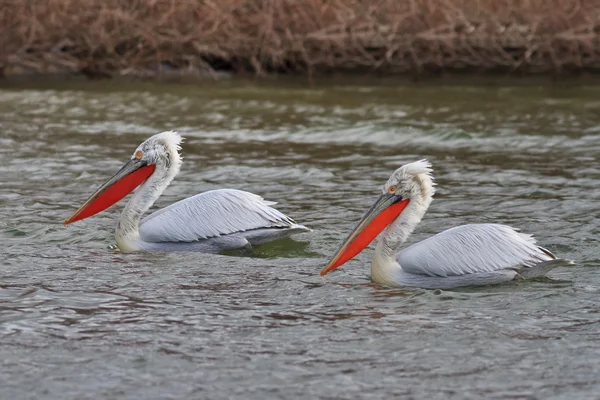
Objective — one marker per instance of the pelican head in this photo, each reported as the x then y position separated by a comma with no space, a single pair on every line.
411,183
407,181
159,153
162,150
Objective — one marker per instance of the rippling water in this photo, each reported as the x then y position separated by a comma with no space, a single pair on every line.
79,319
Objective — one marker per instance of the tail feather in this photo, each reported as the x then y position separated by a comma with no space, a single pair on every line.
548,252
543,268
263,235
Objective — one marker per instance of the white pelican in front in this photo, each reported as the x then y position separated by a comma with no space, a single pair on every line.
475,254
208,222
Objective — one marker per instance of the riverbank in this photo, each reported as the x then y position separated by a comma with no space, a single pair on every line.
314,38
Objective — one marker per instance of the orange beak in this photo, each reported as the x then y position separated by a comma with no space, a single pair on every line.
385,210
120,185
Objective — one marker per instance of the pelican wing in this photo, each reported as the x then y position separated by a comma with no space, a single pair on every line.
473,248
212,214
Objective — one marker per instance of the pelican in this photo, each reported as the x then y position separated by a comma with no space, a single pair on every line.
207,222
467,255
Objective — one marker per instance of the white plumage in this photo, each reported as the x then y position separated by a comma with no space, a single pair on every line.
212,214
468,249
474,254
208,222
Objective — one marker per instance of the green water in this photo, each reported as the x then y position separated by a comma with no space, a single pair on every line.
79,319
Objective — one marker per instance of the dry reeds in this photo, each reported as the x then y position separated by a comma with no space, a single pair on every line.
103,38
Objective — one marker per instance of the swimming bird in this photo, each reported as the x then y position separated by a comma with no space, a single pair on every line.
474,254
207,222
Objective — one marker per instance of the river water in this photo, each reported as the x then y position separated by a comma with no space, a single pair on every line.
81,320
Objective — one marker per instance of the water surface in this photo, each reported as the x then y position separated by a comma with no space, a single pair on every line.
79,319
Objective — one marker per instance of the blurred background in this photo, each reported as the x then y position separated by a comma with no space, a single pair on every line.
307,38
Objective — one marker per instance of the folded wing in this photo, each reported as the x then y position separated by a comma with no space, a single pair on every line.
473,248
212,214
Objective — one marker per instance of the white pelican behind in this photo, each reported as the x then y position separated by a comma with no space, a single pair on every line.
208,222
476,254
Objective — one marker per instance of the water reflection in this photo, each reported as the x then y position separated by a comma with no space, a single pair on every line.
78,318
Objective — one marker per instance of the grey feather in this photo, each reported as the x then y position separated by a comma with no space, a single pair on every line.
475,248
213,214
543,268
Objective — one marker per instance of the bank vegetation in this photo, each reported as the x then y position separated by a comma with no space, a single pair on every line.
300,37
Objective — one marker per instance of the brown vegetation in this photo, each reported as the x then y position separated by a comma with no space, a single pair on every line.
109,37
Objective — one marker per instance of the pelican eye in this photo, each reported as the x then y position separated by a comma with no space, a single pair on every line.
392,189
139,154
